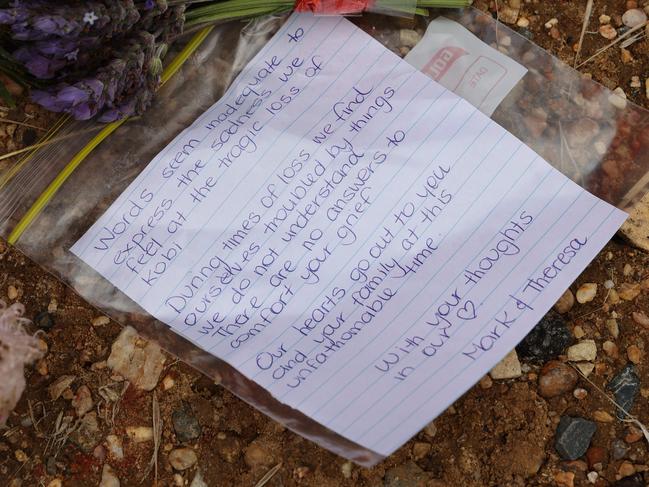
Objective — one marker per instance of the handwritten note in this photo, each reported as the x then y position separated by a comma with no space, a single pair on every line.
349,234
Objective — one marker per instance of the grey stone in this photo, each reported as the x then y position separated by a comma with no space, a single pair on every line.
186,425
50,465
547,340
573,437
44,320
625,386
619,449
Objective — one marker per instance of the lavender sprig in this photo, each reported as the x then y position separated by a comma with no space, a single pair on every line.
46,59
36,20
121,88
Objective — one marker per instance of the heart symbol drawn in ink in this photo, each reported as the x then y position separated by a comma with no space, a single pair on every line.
467,312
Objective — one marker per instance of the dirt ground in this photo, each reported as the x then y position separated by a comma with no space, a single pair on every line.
501,433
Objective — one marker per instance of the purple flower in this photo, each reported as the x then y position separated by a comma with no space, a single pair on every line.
33,20
40,66
82,101
105,55
122,87
54,25
47,59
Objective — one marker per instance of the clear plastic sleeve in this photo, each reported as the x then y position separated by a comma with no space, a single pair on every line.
596,138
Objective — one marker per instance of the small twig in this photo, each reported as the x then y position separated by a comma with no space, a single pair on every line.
587,14
10,431
33,418
157,437
269,475
171,364
38,145
60,433
631,418
632,40
119,400
608,292
564,142
16,122
22,465
497,22
608,46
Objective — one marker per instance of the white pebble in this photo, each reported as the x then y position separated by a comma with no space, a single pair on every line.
114,444
12,293
607,31
618,98
182,458
346,469
586,292
508,368
198,480
168,382
506,41
108,477
409,37
551,23
100,321
634,17
523,22
139,434
585,350
585,368
604,19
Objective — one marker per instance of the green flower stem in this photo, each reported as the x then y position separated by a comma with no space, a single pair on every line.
238,9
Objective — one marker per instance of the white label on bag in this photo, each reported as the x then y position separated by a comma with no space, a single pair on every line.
462,63
347,233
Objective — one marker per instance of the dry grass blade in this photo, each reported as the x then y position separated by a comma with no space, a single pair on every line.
109,396
269,475
38,145
157,437
63,428
23,124
33,419
117,404
608,46
566,146
11,431
587,14
632,40
497,22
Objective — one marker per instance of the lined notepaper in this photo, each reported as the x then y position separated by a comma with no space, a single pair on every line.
349,234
